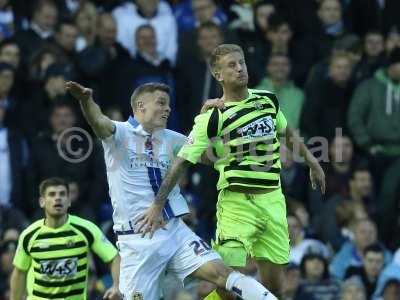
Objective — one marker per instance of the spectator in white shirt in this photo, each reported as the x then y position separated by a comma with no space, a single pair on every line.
154,12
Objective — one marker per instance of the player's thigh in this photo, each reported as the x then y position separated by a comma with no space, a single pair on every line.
239,223
139,275
272,244
191,255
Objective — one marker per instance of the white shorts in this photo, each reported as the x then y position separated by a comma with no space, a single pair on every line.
144,261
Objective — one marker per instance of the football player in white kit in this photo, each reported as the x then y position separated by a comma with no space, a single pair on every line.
138,153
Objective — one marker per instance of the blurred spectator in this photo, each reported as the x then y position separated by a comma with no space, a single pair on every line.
102,63
298,209
374,116
291,277
278,38
14,184
353,289
300,245
351,253
8,101
79,206
252,41
147,66
6,19
45,96
368,273
191,14
316,283
332,26
66,34
86,21
360,187
341,163
372,14
392,41
7,251
10,53
349,44
391,291
41,29
195,83
290,97
389,274
326,104
155,13
373,56
41,60
294,176
389,206
64,153
114,113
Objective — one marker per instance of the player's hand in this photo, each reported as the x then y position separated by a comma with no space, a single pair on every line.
151,220
112,293
212,103
317,177
78,91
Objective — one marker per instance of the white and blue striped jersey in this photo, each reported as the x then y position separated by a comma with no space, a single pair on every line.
136,162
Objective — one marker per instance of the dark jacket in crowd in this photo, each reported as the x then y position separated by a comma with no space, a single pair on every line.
367,15
195,84
325,109
88,173
99,69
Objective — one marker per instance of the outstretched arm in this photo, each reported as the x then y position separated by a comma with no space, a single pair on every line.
101,124
295,143
149,222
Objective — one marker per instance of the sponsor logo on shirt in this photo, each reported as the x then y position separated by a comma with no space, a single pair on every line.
59,268
258,128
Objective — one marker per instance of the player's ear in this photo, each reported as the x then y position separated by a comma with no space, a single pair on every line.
41,202
140,105
217,76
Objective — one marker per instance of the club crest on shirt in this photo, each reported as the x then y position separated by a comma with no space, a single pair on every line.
137,296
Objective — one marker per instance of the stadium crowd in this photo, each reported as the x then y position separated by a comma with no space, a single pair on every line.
334,65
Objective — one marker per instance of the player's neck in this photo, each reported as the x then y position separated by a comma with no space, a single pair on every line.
235,94
149,128
55,222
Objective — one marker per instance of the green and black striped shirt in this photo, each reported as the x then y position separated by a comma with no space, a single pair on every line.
56,259
245,141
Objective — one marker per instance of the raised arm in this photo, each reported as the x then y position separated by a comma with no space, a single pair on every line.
101,124
17,284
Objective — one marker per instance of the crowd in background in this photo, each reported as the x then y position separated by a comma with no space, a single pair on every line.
334,66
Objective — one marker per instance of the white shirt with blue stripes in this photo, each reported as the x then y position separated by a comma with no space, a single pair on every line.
136,162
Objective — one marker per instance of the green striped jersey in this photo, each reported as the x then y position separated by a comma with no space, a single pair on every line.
56,259
244,138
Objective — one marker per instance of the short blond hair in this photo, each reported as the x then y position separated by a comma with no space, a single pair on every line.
221,51
147,88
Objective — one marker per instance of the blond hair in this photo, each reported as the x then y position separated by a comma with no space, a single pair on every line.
220,51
